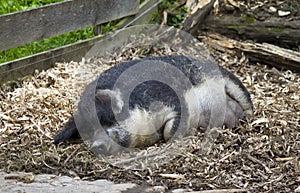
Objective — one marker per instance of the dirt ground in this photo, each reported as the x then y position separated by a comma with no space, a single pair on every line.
260,155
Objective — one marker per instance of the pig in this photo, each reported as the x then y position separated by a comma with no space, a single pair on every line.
114,117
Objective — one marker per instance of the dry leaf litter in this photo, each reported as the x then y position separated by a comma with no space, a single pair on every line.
261,154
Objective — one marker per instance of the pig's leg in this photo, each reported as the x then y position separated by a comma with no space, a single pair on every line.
69,131
234,113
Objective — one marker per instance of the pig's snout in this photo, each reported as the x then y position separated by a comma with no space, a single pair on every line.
99,147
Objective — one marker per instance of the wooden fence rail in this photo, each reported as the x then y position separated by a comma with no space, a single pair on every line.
24,27
19,28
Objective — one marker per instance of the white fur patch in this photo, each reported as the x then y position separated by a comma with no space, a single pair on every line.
207,103
142,122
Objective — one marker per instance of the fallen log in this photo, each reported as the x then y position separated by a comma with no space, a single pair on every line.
269,54
278,31
211,16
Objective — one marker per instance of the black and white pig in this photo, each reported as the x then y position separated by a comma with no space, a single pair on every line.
162,103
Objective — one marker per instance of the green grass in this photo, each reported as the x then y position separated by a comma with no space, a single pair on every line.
9,6
46,44
178,14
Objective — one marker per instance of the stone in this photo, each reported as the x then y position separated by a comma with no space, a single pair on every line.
14,182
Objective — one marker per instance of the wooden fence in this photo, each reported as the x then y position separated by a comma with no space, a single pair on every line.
24,27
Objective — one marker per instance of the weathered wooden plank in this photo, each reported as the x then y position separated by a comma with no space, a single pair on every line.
19,28
146,12
74,52
26,66
143,16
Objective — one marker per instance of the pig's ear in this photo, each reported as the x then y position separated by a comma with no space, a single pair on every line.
103,96
68,132
110,98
